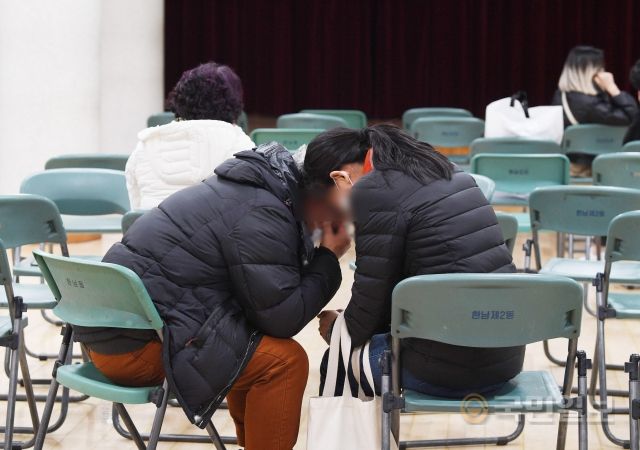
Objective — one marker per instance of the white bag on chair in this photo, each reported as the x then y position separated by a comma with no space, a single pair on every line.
511,117
346,422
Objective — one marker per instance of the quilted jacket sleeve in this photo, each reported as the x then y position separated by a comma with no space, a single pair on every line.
620,110
278,295
132,182
380,241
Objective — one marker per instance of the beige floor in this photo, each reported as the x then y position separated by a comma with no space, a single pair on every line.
89,423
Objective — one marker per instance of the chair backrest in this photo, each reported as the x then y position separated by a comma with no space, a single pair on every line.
617,169
88,161
162,118
5,270
129,218
593,139
447,131
580,210
513,146
291,139
353,117
486,310
633,146
81,191
410,115
29,219
519,175
509,225
486,185
95,294
308,120
623,239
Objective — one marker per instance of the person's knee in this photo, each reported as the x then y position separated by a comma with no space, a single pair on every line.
298,361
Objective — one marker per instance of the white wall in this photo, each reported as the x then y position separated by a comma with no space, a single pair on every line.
76,76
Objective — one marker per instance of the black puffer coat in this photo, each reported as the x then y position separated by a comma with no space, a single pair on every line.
602,108
406,228
224,262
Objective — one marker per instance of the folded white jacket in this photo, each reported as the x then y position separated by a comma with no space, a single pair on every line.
180,154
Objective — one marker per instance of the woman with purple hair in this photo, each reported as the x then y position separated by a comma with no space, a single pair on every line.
207,102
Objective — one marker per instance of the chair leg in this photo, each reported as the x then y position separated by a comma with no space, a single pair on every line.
215,436
159,417
133,431
11,401
633,369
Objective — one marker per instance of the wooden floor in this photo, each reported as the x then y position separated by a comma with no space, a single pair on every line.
88,424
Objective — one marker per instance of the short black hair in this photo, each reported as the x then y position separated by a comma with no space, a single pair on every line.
392,149
634,76
210,91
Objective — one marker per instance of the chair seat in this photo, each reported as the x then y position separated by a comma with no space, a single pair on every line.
35,296
582,270
524,222
527,392
5,326
503,198
111,223
627,306
28,267
86,379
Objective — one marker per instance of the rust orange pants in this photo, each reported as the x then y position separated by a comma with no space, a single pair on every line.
264,402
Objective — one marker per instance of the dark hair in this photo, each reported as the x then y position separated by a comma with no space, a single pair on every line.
583,56
634,76
392,149
210,91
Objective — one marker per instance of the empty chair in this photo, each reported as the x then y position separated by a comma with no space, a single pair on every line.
593,139
291,139
129,218
486,185
410,115
486,310
617,169
509,224
162,118
513,146
633,146
91,200
83,288
354,118
452,136
307,120
89,161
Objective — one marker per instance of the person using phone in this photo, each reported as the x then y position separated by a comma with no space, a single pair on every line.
415,213
234,277
589,94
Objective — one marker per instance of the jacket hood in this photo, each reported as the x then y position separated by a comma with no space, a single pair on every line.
269,166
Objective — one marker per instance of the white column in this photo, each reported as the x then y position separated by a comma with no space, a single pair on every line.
76,76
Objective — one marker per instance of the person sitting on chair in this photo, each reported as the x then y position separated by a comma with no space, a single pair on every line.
633,134
415,213
234,276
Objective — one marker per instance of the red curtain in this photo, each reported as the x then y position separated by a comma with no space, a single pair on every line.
385,56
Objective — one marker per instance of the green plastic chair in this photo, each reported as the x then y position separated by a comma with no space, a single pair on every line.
410,115
290,138
91,200
509,224
486,311
512,146
486,185
623,245
633,146
353,117
448,132
313,121
162,118
12,327
94,294
617,169
88,161
593,139
129,218
516,176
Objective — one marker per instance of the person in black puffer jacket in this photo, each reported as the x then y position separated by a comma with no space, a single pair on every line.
591,95
233,276
415,213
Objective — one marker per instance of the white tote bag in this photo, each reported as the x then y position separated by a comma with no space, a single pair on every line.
345,422
511,117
